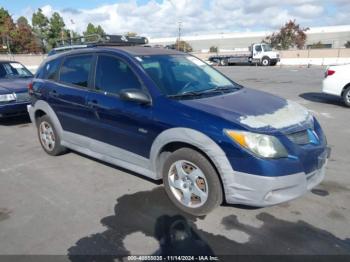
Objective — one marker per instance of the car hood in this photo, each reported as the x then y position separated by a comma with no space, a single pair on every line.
14,85
255,110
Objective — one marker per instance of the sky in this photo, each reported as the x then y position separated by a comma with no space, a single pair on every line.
160,18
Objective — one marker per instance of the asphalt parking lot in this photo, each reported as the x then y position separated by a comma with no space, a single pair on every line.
72,204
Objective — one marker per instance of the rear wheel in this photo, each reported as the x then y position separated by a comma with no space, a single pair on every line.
48,137
346,96
223,62
191,182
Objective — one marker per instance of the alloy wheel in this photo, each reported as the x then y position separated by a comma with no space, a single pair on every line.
188,184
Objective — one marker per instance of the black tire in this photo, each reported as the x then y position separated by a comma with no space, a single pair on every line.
223,62
214,189
346,96
56,149
265,61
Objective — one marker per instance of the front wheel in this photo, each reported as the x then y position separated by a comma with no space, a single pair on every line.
191,182
346,96
265,61
48,137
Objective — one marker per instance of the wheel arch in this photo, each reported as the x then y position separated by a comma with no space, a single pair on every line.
43,108
175,138
344,88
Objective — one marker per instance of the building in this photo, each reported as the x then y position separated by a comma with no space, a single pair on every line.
329,36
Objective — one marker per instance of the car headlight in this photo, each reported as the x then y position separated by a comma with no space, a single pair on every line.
259,144
7,98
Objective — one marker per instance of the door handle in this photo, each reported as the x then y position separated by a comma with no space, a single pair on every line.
92,103
53,93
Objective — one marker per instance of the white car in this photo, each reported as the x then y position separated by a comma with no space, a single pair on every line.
337,82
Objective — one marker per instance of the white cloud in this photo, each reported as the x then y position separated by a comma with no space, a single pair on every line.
200,16
309,10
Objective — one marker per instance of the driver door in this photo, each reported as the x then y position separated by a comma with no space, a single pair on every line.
123,124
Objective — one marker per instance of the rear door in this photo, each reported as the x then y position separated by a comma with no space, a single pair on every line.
123,124
67,96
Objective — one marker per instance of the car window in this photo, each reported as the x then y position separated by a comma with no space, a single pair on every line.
14,70
49,70
258,48
75,70
176,74
113,75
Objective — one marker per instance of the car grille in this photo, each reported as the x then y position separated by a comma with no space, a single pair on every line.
300,138
22,97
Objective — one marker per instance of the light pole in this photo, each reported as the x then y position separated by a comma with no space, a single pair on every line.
179,37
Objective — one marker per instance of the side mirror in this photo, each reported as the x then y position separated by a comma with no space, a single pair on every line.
135,95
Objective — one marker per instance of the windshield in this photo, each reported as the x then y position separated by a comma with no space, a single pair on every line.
177,75
14,70
267,48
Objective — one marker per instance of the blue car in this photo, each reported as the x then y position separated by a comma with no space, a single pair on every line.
14,80
169,116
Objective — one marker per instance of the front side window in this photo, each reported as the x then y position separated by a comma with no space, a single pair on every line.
181,74
14,70
75,70
267,48
113,75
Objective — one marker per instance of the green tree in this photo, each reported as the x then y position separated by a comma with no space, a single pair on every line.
290,35
7,29
213,49
183,46
317,45
40,25
57,29
91,29
347,44
24,40
131,34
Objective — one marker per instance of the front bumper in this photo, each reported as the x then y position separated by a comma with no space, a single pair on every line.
274,60
13,109
262,191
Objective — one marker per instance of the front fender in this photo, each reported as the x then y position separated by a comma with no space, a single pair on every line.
196,139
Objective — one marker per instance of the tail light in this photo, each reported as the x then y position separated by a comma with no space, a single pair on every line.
30,88
329,72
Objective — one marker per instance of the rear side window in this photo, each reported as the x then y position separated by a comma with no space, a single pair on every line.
258,48
50,70
113,75
75,70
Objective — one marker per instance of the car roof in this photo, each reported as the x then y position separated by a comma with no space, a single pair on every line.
8,61
130,50
141,50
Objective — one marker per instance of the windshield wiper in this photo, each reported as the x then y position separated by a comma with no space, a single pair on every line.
27,76
187,94
206,91
224,88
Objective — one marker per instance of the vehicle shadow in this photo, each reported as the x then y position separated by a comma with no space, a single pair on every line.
14,121
322,98
151,214
129,172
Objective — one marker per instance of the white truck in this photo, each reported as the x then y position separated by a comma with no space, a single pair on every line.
259,54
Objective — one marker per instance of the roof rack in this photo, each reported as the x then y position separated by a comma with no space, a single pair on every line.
98,40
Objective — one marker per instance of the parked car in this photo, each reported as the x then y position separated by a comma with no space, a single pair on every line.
337,82
14,80
168,115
